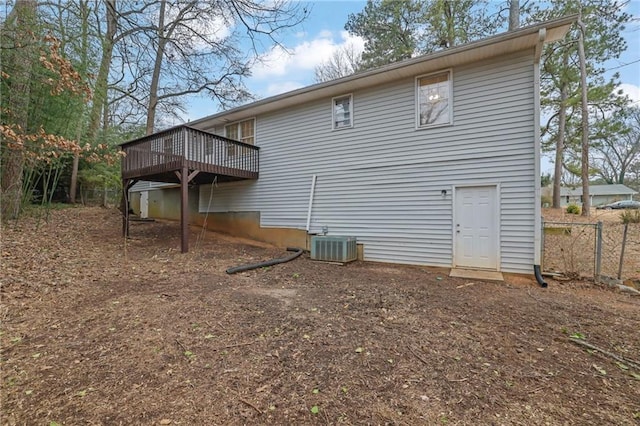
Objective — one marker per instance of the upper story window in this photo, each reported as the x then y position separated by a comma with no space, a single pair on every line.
433,94
342,112
243,131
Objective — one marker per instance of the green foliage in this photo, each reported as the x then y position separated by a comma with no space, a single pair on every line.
630,216
546,200
573,209
394,30
46,99
389,28
605,21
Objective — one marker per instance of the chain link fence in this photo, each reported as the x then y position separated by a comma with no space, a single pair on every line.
591,250
108,197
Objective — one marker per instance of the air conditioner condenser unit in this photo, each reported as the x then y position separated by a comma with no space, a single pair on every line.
334,249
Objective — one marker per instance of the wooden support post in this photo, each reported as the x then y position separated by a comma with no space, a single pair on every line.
124,207
184,208
124,204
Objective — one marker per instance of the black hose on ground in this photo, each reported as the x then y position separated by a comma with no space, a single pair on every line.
242,268
538,274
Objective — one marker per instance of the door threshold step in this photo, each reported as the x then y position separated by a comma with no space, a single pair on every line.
476,274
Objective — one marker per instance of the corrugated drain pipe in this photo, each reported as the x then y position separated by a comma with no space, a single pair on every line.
538,274
242,268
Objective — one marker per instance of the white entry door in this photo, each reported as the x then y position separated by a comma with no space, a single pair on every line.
476,227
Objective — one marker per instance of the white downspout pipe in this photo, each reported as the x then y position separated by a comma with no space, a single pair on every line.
313,190
537,227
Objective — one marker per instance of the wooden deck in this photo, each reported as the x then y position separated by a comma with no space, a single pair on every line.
158,156
186,156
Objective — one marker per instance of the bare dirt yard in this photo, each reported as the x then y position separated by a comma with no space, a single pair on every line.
95,332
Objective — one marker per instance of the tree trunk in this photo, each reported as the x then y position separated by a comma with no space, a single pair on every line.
586,199
514,14
104,195
153,90
73,186
562,122
100,89
20,29
84,12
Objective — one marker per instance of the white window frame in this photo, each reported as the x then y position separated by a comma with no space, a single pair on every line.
333,112
240,129
419,126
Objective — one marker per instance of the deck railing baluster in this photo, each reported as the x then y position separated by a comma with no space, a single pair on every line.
160,154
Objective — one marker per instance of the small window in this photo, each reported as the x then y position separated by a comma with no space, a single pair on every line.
434,103
243,131
342,110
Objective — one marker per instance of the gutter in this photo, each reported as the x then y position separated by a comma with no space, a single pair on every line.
325,89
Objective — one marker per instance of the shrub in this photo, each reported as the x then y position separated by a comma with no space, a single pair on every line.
546,201
630,216
573,209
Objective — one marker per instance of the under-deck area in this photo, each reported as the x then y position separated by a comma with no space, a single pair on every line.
186,156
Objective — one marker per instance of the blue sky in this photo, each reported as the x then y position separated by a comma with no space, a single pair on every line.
315,40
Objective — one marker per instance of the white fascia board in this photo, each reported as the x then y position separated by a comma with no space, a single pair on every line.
501,44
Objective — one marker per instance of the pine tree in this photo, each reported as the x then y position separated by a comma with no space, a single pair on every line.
394,30
560,80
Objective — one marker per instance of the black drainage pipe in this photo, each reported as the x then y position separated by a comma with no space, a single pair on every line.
538,274
242,268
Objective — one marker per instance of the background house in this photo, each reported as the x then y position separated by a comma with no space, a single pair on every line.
433,161
599,194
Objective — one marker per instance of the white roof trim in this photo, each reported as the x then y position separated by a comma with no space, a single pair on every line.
501,44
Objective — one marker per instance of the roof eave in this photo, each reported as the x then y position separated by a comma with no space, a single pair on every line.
497,45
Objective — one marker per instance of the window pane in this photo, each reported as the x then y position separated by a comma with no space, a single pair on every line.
433,93
246,131
231,131
342,112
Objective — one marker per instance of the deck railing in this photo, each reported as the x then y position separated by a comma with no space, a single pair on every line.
183,146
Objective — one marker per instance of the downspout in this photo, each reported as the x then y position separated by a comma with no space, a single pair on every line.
313,190
537,227
297,252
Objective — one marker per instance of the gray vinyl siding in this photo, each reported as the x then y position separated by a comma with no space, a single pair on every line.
381,180
145,185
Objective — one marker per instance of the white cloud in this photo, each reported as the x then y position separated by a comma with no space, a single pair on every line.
304,57
632,91
282,87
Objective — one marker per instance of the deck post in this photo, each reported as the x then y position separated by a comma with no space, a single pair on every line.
124,207
127,184
184,208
